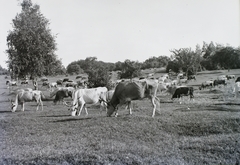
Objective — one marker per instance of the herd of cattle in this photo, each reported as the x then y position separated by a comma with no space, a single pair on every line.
124,92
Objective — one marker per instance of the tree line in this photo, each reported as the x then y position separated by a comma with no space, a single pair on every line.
208,57
32,46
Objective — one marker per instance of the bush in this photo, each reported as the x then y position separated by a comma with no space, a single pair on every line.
98,77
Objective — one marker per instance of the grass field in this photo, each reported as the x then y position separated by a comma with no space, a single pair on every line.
205,131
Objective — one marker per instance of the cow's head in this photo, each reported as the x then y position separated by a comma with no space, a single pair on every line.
72,108
14,106
110,109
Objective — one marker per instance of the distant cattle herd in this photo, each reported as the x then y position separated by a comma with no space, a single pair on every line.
123,92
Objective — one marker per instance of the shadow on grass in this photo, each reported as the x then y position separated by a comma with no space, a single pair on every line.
217,108
55,116
70,119
227,104
43,161
6,111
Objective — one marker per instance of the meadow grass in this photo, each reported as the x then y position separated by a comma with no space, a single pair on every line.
203,131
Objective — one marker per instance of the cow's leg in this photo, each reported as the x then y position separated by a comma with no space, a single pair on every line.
86,109
180,99
22,106
82,105
154,106
129,107
37,105
40,100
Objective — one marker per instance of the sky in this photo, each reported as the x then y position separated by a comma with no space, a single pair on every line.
116,30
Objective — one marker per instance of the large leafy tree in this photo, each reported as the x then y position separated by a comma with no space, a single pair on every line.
130,69
227,58
187,59
155,62
31,45
74,68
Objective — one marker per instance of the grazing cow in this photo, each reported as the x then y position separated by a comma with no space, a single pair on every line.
52,85
71,84
208,83
183,80
238,79
45,83
163,78
219,82
230,77
182,91
125,92
163,86
180,76
69,89
222,77
81,84
191,77
25,81
11,83
77,77
150,74
141,78
61,94
44,79
175,82
59,82
81,97
236,89
65,79
23,96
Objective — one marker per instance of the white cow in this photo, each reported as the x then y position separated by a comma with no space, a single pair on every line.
236,89
26,95
222,77
81,97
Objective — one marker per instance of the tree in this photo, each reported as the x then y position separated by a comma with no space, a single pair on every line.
3,70
227,58
155,62
98,76
186,59
208,52
31,45
130,69
74,68
173,66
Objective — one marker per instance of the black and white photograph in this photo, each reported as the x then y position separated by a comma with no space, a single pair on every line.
119,82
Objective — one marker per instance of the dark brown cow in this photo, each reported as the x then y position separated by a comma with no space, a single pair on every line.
125,92
183,91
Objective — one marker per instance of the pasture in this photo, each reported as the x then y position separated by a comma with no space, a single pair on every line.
205,131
